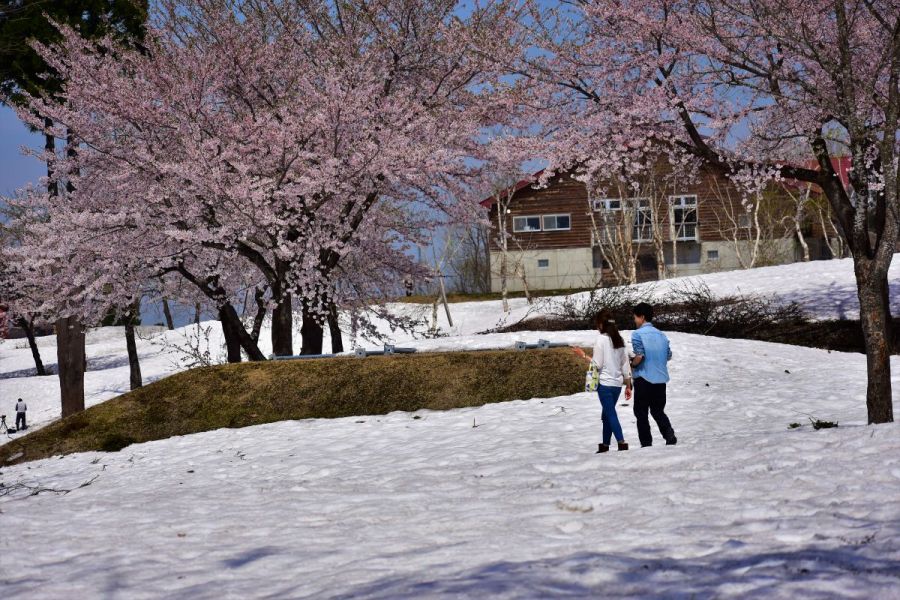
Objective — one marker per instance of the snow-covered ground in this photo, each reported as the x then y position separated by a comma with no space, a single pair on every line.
515,506
826,288
518,506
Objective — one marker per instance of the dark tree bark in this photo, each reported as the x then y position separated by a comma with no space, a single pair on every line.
875,318
232,337
72,359
28,327
231,322
50,149
236,327
311,333
261,310
167,312
197,313
334,328
282,326
134,365
70,337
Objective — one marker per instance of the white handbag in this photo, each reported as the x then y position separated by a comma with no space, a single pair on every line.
592,378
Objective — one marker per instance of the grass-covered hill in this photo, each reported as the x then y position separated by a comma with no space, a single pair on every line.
253,393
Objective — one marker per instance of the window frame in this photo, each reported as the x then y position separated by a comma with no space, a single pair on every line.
677,202
540,260
555,215
642,206
538,217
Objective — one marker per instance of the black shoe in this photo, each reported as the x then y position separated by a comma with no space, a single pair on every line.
602,448
623,446
672,441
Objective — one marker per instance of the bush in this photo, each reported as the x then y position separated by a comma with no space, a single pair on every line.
687,307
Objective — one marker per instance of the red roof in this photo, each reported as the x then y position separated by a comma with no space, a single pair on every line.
487,202
842,165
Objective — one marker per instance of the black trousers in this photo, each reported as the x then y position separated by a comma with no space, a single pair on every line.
651,397
20,417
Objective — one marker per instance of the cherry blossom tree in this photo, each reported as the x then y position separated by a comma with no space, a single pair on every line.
279,134
736,84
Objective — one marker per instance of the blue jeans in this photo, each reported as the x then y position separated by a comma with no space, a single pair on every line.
608,397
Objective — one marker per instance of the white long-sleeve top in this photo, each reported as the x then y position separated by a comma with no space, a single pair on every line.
612,362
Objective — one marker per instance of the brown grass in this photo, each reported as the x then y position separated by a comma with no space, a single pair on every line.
253,393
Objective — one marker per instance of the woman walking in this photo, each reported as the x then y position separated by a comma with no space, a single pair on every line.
611,360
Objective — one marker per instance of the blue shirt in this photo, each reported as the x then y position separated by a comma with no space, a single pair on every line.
653,345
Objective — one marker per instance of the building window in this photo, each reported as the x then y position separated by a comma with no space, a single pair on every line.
646,263
607,204
615,209
684,217
686,253
597,258
643,222
543,263
526,224
712,255
744,221
557,223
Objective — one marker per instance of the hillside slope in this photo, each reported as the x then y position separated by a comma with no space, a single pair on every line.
234,396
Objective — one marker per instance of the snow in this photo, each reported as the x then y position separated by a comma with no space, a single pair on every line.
517,505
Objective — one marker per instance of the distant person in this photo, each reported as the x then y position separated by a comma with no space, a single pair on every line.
651,373
21,409
611,361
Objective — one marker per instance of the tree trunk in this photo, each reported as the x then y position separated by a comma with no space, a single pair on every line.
504,277
232,338
802,239
134,364
521,270
197,313
71,357
167,312
236,327
875,318
283,326
434,316
50,149
504,256
261,310
446,304
28,327
334,329
661,261
311,333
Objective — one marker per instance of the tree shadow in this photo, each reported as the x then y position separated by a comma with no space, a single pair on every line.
51,369
588,575
245,558
837,301
97,363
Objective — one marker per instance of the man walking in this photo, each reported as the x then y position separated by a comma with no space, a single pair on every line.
21,407
651,353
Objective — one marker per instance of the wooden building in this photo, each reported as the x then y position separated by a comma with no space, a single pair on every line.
560,236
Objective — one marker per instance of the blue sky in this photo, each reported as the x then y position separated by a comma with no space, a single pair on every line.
16,169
